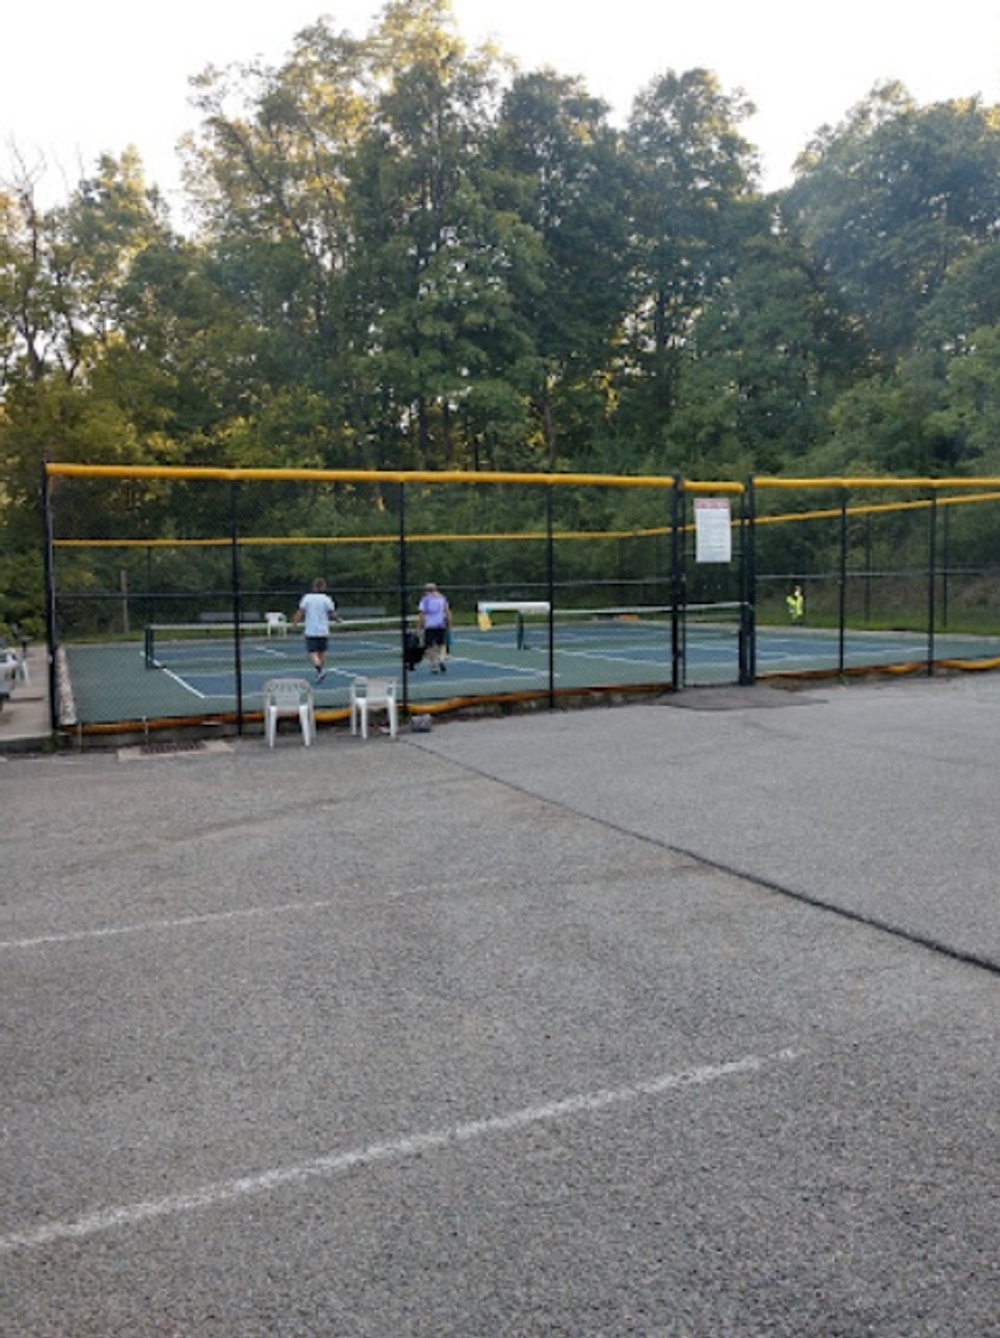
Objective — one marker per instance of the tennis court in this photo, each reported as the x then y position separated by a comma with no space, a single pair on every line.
698,572
190,670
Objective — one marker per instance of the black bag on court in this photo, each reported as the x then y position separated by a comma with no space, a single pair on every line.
413,650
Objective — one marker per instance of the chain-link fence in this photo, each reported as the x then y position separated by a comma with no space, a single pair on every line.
172,594
899,574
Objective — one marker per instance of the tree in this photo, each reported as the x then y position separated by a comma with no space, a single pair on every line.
763,364
27,319
558,168
437,329
969,414
70,386
967,300
892,198
268,174
693,204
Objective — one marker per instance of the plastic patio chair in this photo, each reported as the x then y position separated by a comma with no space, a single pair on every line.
276,622
13,665
289,696
373,694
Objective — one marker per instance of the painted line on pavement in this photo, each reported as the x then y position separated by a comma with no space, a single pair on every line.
394,1150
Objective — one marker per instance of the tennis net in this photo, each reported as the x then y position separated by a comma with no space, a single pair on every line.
620,626
209,646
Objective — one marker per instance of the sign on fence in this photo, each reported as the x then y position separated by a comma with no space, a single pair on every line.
712,528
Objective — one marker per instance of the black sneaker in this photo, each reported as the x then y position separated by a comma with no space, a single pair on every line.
320,675
444,667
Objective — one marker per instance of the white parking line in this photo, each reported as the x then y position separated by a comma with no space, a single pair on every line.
180,922
206,918
399,1149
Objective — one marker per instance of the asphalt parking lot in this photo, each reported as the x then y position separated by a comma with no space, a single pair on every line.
677,1018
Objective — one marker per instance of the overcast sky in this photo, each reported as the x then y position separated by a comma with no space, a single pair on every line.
81,79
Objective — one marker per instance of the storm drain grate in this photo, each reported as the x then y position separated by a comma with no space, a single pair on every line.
173,748
179,746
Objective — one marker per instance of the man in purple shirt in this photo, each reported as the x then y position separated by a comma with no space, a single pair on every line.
434,619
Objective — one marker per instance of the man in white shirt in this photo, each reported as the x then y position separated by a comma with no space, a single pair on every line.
317,608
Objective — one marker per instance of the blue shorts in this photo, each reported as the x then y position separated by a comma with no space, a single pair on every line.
316,645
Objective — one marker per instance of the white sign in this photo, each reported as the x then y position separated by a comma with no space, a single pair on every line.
712,529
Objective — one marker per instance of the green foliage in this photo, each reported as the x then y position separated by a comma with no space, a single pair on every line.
770,352
970,401
690,197
892,199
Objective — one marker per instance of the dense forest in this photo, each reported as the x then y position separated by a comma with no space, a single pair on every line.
404,252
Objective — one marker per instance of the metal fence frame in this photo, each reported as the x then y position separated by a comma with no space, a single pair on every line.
934,496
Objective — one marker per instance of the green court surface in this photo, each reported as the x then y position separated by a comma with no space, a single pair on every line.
188,675
184,673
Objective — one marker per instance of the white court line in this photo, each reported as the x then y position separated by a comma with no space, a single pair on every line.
502,670
399,1149
181,682
627,655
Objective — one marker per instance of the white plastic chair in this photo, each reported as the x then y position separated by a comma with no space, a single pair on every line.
373,694
8,675
13,665
289,696
276,622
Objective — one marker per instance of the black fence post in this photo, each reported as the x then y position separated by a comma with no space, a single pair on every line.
842,581
931,580
678,587
868,568
403,591
550,561
748,585
234,488
51,626
945,564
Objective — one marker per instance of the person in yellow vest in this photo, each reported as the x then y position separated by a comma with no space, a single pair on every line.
796,602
